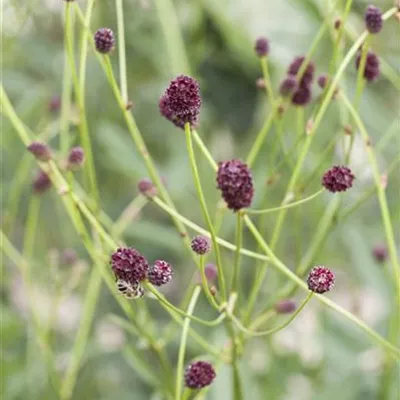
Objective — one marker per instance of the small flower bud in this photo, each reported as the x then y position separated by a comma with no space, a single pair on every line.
337,24
373,19
285,307
288,86
104,40
260,83
322,80
235,181
41,183
338,179
69,257
261,47
40,150
320,279
129,265
302,96
199,374
380,253
181,101
372,70
76,158
54,104
160,273
308,75
146,188
201,244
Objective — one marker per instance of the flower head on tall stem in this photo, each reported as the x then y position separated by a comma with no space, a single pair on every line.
302,96
372,69
41,183
380,253
181,101
373,19
104,40
338,179
201,244
147,188
129,265
308,75
199,374
76,158
160,273
261,47
320,279
40,150
235,181
288,86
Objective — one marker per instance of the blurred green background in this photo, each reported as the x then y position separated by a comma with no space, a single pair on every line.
319,356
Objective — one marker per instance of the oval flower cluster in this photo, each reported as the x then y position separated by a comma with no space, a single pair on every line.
181,101
131,268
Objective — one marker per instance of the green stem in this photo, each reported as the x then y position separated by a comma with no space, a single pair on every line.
290,205
121,50
277,328
182,346
204,282
203,205
236,264
82,336
267,78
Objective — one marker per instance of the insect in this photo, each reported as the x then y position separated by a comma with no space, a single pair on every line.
129,290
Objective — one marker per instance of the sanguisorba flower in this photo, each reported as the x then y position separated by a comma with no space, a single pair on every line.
181,102
147,188
302,96
160,273
320,279
40,150
201,244
380,253
104,40
41,183
261,46
338,179
235,181
308,75
322,80
199,374
371,70
373,19
129,265
285,306
76,158
288,86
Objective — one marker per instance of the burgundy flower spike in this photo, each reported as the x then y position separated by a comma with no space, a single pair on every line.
181,101
104,40
235,181
160,273
201,244
338,179
199,374
129,265
320,279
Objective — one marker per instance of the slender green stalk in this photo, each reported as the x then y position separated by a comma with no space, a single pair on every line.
290,205
204,282
206,215
82,336
236,264
204,232
182,346
162,300
277,328
267,78
286,271
121,50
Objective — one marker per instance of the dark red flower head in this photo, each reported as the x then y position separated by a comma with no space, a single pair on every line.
129,265
147,188
40,150
380,252
373,19
338,179
76,158
211,273
285,307
308,75
160,273
322,80
235,181
261,47
199,374
181,101
41,183
288,86
371,71
302,96
104,40
201,244
320,279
